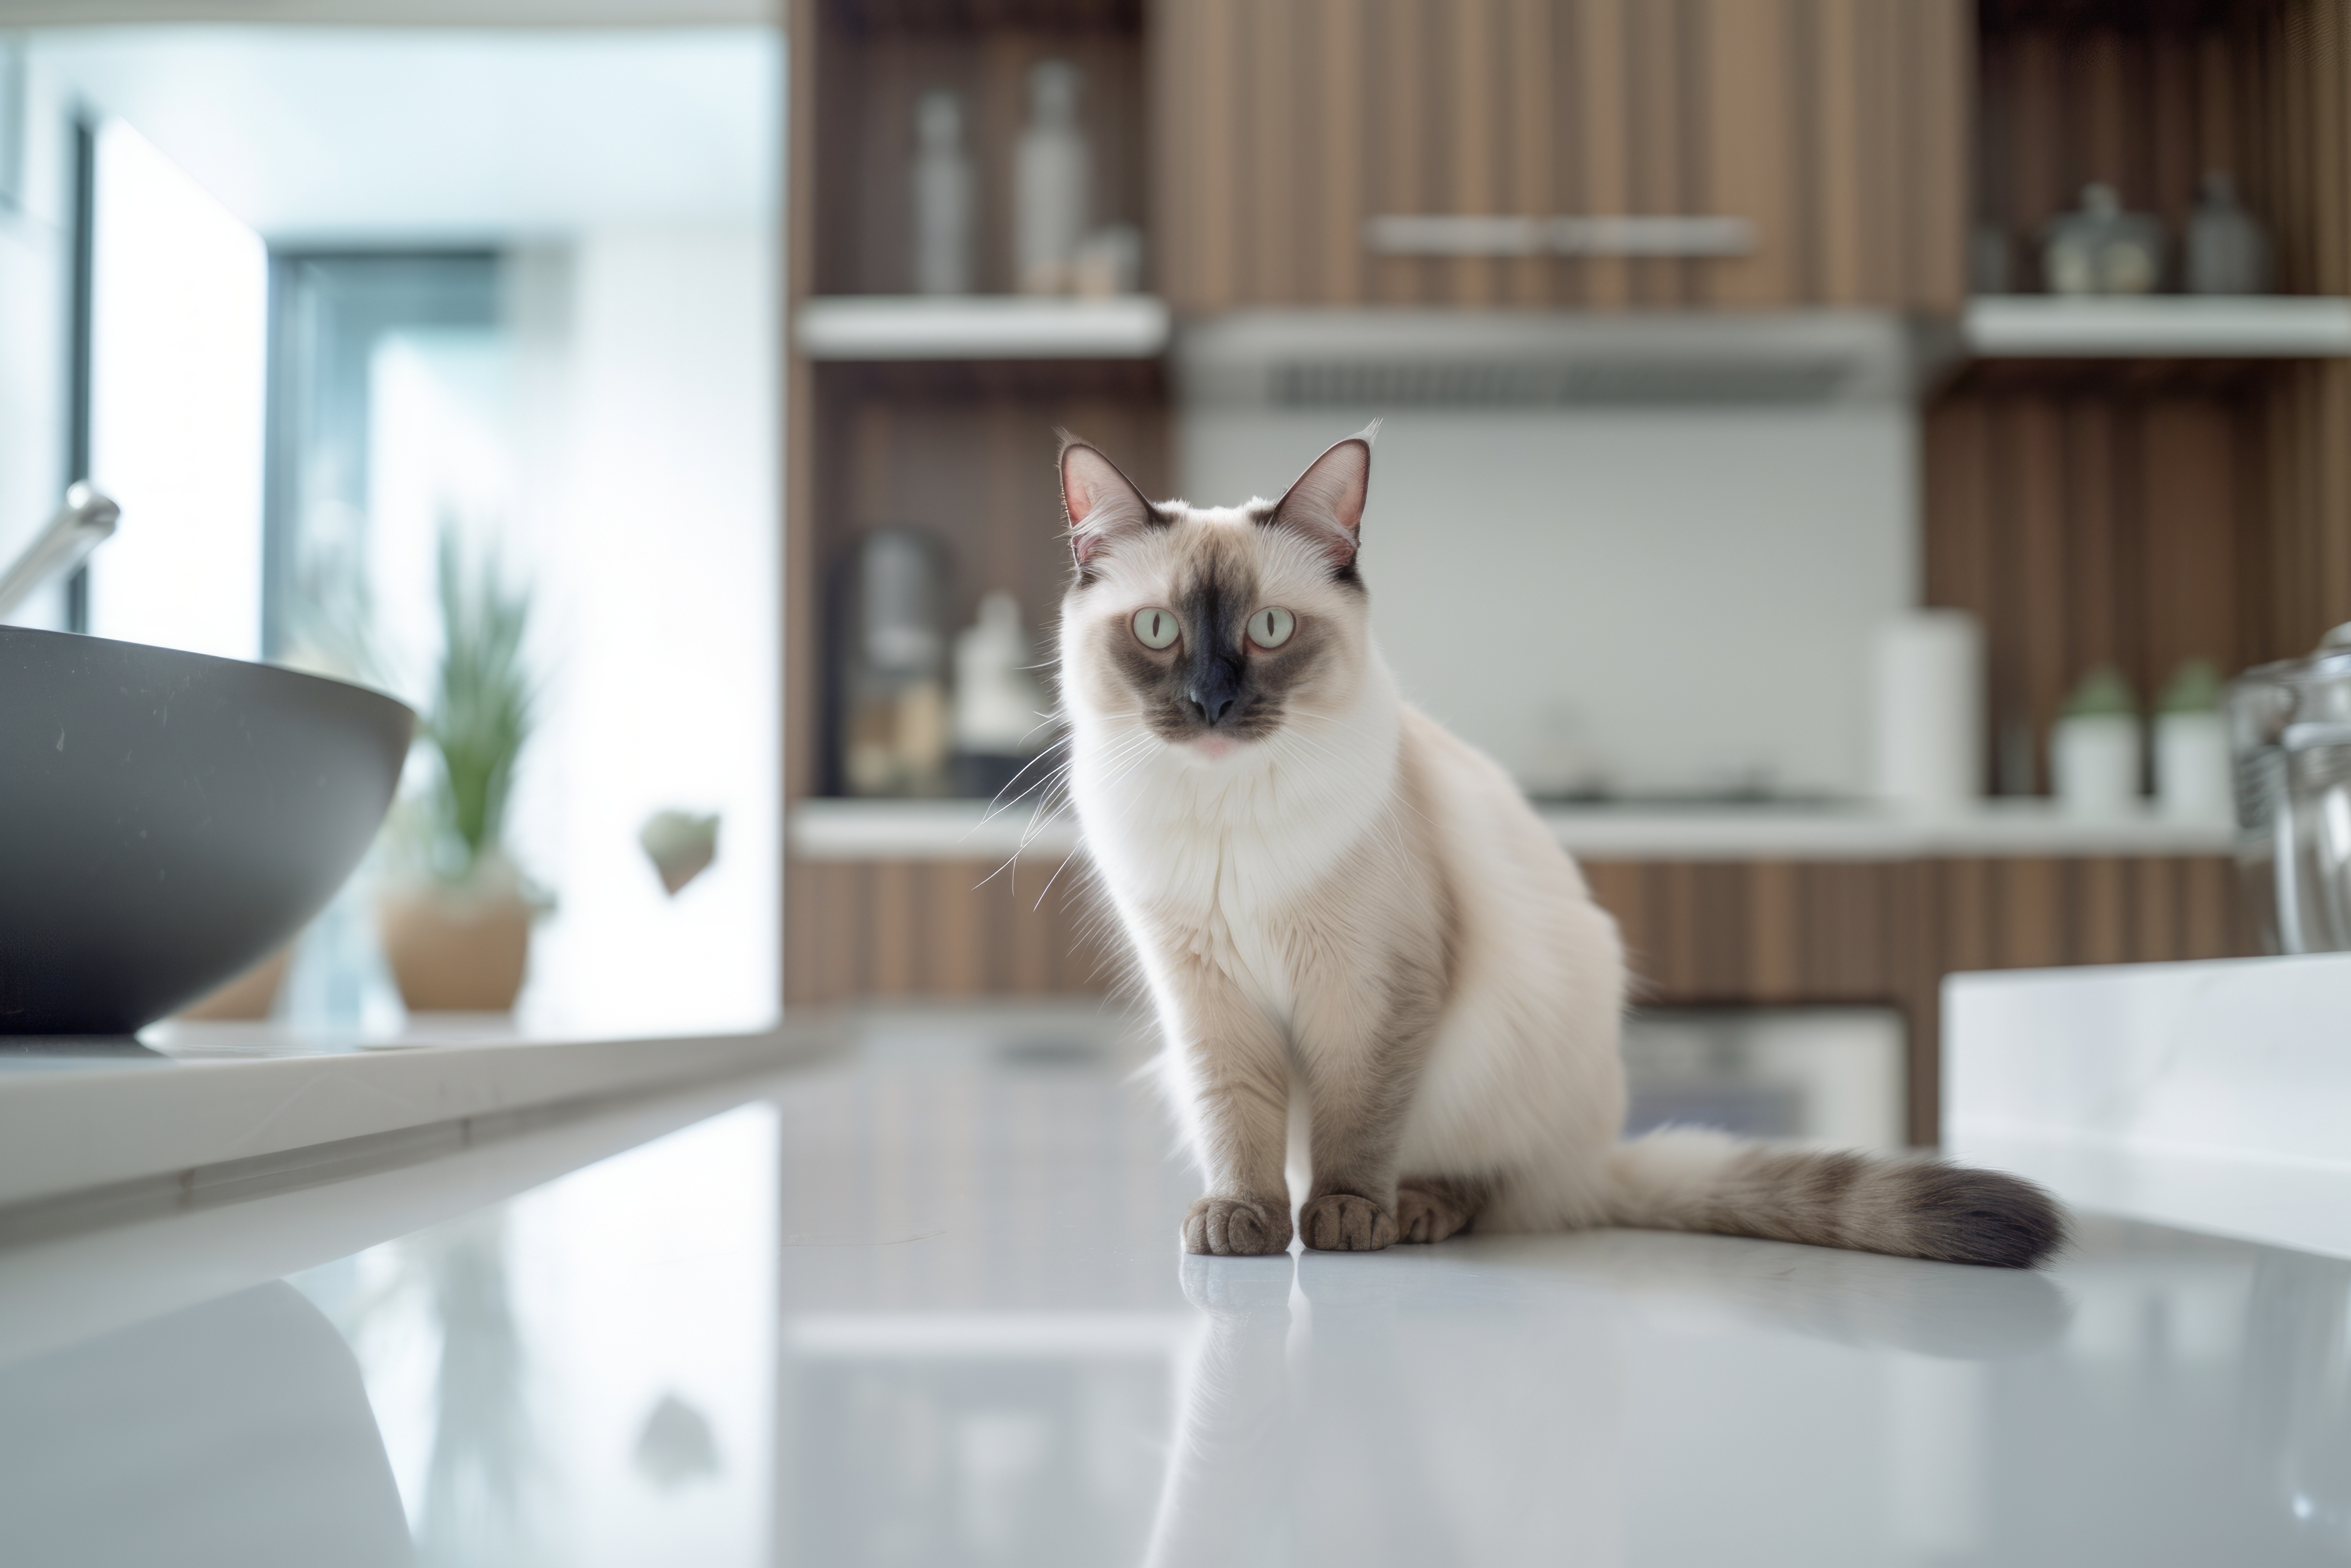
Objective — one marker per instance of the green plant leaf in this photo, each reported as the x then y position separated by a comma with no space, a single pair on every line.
483,703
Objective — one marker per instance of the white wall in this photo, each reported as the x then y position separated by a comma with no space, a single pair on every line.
34,259
655,536
1677,599
338,133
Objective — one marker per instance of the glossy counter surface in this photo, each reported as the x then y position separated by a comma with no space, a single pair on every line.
922,1304
183,1099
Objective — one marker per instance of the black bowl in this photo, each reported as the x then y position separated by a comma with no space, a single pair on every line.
167,819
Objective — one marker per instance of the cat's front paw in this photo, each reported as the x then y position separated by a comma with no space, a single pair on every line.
1433,1211
1341,1222
1237,1228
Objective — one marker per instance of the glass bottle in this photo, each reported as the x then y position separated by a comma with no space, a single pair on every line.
1050,173
942,196
2102,249
894,698
2227,251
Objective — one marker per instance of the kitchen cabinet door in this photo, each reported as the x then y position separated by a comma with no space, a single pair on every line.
1835,128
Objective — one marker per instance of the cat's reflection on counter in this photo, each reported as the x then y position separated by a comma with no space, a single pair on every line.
1516,1431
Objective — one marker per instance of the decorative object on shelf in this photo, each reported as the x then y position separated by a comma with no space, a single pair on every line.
2102,249
252,995
2290,730
2191,747
1929,729
1991,259
2227,251
1051,171
2095,747
456,926
998,707
942,196
1109,263
681,845
893,703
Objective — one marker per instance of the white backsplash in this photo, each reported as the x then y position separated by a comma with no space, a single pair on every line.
1675,599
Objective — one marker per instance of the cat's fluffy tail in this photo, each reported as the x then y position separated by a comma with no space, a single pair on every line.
1687,1179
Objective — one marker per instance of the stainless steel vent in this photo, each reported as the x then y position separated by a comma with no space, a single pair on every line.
1377,359
1590,383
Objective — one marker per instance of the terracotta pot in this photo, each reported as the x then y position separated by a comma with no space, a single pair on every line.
252,995
455,950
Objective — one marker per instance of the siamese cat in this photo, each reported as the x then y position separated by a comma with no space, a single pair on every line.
1349,918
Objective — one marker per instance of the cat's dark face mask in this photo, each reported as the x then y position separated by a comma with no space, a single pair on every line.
1212,628
1215,681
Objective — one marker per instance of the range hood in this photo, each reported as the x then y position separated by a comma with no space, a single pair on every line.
1397,360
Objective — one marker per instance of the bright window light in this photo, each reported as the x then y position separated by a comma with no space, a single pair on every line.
179,305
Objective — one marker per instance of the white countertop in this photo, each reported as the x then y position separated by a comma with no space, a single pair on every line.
227,1099
839,829
923,1304
2215,1095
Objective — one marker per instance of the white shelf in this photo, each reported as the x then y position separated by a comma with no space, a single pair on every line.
981,327
2162,327
970,831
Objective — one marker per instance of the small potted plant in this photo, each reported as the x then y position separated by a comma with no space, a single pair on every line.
456,926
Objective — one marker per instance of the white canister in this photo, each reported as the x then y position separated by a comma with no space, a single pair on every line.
2193,782
1928,729
2096,759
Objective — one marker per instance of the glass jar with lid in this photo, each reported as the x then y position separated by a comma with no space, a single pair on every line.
2290,730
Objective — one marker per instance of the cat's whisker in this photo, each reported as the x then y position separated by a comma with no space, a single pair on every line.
1000,805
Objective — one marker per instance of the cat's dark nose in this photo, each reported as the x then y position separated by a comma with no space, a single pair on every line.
1211,705
1213,692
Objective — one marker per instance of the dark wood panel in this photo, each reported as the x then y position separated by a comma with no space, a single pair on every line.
2094,524
2145,512
860,931
967,454
1887,933
866,16
2093,529
1838,127
1696,933
798,562
2302,582
865,117
2143,98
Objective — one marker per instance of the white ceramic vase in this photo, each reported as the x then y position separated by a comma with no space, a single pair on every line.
2192,769
2096,759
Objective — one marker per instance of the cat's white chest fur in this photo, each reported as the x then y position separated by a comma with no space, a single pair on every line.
1227,852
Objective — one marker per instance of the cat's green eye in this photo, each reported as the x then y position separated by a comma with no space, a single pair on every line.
1155,628
1272,626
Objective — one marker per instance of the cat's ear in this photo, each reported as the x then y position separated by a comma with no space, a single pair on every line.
1100,502
1326,502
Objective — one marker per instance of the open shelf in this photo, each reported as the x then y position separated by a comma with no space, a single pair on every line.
873,326
866,830
884,326
2270,327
